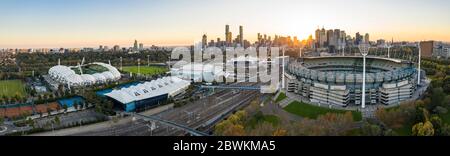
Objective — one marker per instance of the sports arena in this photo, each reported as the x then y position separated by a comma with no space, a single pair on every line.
84,75
338,80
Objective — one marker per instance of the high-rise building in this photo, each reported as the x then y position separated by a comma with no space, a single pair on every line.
330,37
116,48
204,41
135,47
241,35
228,35
366,38
141,46
321,37
358,38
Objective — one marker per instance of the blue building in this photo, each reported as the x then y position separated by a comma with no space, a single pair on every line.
147,95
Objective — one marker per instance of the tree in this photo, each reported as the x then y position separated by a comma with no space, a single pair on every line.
437,124
437,98
233,126
49,110
65,107
397,117
1,120
371,130
57,120
280,132
423,129
75,105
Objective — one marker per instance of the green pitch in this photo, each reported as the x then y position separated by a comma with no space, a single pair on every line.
11,88
145,70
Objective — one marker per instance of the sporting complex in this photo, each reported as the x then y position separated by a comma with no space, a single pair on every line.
84,75
338,80
141,96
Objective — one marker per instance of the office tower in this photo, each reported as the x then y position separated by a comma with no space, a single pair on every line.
141,46
330,37
366,38
259,37
358,38
135,47
322,38
204,41
343,37
228,35
317,37
241,35
100,47
116,48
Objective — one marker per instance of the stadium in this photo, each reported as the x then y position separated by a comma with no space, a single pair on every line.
84,75
141,96
338,80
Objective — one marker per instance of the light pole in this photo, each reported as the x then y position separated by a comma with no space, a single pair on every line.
282,80
364,49
139,66
148,60
343,47
418,70
300,53
388,46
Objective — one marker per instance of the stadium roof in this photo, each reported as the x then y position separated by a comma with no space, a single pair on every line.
166,85
66,75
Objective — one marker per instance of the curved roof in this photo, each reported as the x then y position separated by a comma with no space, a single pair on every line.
167,85
66,75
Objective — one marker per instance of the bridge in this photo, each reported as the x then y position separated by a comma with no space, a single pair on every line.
171,124
257,88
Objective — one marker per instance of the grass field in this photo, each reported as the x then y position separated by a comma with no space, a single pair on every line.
312,112
11,88
145,70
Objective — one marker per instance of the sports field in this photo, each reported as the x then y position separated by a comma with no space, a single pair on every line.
11,88
145,70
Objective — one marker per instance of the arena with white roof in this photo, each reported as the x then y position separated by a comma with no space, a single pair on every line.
66,75
148,94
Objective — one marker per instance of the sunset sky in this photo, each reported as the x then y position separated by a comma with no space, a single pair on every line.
89,23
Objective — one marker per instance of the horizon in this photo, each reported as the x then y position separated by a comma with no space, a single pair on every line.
90,23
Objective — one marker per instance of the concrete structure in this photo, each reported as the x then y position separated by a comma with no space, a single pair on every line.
148,94
338,80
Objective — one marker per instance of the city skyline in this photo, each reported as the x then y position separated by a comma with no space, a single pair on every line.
82,23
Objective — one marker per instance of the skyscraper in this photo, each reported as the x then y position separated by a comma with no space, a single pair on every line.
241,35
358,38
204,41
141,46
366,38
321,37
228,35
330,37
135,47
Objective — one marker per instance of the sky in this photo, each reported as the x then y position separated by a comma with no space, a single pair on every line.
90,23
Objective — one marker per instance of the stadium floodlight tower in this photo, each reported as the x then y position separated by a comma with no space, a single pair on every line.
418,69
388,46
343,47
364,49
